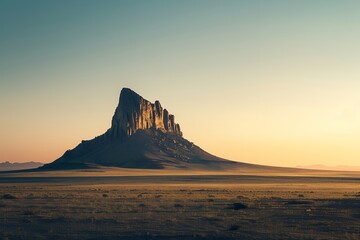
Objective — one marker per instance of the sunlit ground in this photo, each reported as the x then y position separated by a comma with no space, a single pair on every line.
180,207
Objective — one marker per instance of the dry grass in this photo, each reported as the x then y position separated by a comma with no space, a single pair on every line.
303,209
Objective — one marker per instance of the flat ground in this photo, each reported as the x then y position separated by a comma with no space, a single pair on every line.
101,206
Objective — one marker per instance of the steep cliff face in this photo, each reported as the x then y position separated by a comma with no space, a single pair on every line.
134,113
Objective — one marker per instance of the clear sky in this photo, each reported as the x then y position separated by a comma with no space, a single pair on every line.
268,82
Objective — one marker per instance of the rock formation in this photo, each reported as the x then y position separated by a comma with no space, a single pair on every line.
142,135
134,113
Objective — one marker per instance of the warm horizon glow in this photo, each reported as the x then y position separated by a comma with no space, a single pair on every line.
266,83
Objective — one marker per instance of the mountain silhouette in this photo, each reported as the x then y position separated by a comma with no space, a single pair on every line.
142,135
13,166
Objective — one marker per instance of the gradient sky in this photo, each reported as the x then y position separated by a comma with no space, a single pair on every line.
267,82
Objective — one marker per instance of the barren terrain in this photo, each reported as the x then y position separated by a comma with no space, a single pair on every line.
90,205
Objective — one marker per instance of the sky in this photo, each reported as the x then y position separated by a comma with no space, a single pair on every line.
265,82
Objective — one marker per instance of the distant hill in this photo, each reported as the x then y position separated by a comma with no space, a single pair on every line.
8,166
333,168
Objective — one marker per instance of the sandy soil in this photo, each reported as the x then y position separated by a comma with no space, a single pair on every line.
153,206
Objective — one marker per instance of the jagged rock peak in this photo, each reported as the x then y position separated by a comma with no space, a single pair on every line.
134,112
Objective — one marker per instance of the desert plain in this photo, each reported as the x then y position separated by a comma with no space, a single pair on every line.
160,204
